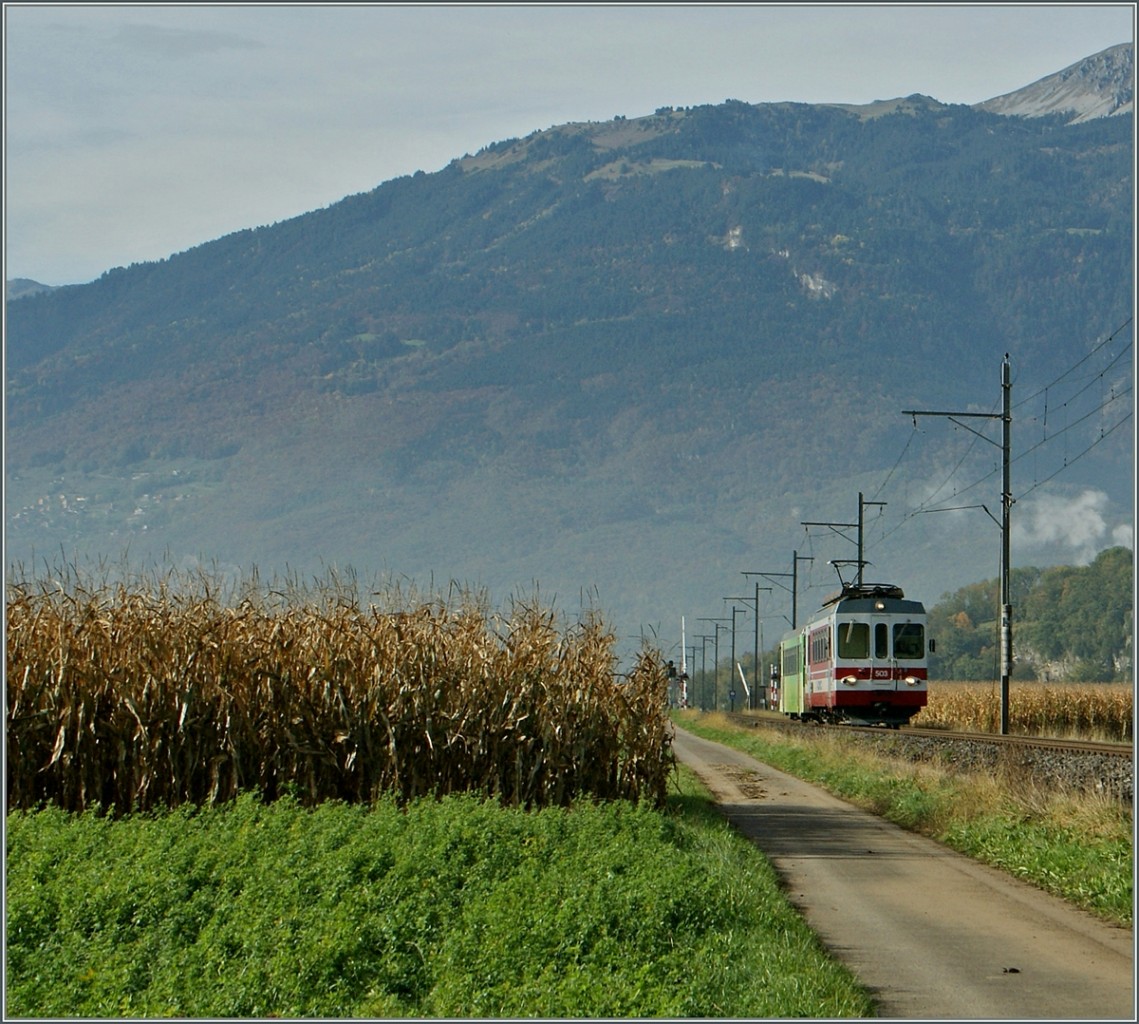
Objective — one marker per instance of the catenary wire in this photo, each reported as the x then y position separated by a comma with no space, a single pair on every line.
923,506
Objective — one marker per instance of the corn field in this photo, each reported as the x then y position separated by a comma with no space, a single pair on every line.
1094,711
133,698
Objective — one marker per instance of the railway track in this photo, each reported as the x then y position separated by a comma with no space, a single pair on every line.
1081,764
1042,742
773,720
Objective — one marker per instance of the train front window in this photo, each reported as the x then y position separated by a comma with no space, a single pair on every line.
881,641
909,641
854,640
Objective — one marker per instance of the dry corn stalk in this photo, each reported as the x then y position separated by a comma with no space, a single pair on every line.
1102,711
132,698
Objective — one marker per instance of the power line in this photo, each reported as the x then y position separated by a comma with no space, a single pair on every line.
1068,462
1099,377
909,441
1091,381
933,495
1114,390
925,505
1072,426
1075,366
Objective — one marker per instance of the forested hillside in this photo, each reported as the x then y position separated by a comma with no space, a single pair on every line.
1070,623
624,358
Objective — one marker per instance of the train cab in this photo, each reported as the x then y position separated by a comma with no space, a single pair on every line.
861,658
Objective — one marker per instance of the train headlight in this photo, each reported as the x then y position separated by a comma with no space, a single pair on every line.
912,680
850,680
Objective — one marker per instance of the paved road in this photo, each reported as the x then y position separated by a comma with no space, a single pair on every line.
932,934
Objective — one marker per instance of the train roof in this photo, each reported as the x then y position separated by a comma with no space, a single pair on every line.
858,599
864,590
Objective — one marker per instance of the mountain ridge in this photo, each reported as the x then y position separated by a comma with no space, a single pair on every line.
596,359
1101,85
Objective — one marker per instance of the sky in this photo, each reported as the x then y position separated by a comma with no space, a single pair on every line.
133,132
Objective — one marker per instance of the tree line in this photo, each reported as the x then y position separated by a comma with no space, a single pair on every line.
1070,624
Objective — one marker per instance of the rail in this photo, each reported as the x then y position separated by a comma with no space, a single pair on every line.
771,719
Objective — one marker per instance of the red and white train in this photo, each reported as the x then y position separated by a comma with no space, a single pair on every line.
861,658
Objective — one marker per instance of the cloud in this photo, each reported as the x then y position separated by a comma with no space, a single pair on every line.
177,42
1078,524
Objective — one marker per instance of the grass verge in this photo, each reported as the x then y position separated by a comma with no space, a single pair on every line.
446,908
1078,846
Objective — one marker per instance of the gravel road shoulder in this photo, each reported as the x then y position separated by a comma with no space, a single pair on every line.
932,934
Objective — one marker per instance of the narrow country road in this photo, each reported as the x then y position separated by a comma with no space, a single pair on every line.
932,934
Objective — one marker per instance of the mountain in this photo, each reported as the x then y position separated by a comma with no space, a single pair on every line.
21,286
1102,85
615,363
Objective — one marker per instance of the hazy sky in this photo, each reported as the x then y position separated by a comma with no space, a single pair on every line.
136,131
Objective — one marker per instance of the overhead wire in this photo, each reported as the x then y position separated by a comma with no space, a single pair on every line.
898,462
1075,423
928,501
1068,462
932,495
1068,406
1075,366
1117,394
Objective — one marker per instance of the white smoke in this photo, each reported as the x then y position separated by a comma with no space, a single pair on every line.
1078,524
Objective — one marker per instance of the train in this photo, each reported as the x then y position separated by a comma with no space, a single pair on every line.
860,659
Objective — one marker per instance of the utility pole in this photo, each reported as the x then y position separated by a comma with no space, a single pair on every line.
734,611
716,668
1005,416
758,650
716,665
853,526
796,558
703,638
683,681
754,701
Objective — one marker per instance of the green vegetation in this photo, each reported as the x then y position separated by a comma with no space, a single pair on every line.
1076,846
1074,623
448,908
